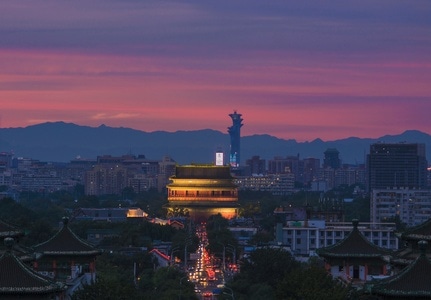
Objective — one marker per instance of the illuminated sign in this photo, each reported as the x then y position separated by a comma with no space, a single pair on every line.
219,159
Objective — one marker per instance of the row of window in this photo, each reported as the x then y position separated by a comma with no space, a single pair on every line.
312,243
337,233
175,193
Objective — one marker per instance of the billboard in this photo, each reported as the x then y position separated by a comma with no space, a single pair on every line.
219,158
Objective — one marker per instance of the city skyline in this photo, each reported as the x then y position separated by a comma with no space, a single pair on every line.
300,71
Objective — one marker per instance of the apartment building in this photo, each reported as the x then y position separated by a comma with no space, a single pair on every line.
304,237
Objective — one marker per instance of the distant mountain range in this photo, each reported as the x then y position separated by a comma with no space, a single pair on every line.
62,142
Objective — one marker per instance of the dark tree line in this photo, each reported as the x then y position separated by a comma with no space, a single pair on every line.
272,273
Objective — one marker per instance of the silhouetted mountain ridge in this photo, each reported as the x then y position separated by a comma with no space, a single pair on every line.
61,142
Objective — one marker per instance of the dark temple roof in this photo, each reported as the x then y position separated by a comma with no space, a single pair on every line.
353,245
413,281
65,242
7,230
420,232
17,278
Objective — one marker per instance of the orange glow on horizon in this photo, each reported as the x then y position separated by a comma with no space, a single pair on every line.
155,93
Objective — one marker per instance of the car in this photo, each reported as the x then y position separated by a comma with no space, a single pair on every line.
207,294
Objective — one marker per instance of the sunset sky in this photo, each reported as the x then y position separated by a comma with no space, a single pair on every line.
294,69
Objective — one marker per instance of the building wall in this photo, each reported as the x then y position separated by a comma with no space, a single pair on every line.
412,206
396,165
256,165
305,237
277,184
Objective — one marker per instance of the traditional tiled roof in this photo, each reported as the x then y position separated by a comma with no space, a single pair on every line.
421,232
354,245
17,278
7,230
65,242
413,281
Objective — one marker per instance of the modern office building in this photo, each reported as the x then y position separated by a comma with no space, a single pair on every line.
256,165
282,165
396,165
311,167
203,190
276,184
412,206
235,138
331,159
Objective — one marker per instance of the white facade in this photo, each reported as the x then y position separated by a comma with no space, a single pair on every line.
304,237
412,206
277,184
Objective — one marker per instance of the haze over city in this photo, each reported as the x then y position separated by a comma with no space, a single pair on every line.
296,70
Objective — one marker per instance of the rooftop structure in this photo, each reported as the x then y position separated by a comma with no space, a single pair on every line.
235,137
331,159
7,230
18,281
411,283
114,214
67,257
354,259
411,238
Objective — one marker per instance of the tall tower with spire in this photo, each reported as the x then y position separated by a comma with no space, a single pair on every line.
235,136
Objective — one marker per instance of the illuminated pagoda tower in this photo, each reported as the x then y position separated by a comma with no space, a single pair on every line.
202,190
235,136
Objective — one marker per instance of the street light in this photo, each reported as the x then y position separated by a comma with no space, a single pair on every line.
233,250
181,289
224,255
188,241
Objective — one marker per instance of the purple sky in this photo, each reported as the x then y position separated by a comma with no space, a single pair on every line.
294,69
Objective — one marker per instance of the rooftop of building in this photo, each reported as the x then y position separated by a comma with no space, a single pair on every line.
65,242
412,282
8,230
17,278
419,232
355,244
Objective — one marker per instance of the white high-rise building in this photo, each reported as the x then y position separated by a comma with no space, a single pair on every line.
412,206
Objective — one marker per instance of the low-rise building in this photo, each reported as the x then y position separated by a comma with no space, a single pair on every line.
305,237
243,234
111,214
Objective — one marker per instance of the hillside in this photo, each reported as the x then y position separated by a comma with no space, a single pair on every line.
61,142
